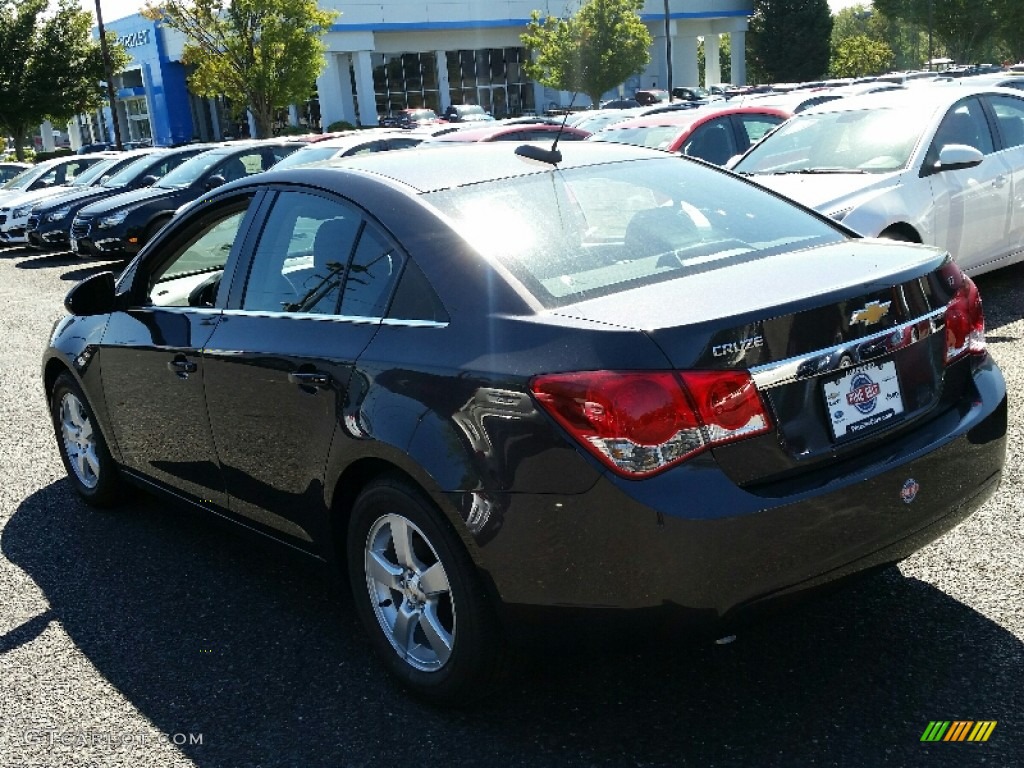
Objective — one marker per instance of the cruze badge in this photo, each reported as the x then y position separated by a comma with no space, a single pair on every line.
871,314
737,347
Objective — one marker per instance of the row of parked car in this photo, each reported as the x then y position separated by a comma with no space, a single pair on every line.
938,165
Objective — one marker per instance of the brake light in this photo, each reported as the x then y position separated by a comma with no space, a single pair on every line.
639,423
965,322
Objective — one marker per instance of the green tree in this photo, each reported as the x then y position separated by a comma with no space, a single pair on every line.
1010,17
789,40
50,66
260,54
859,55
591,52
964,28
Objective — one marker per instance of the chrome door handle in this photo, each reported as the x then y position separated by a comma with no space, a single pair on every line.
315,379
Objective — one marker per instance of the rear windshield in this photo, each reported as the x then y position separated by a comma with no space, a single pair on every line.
575,234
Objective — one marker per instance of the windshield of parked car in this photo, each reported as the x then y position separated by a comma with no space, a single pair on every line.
189,172
591,231
854,141
24,179
95,172
310,154
133,171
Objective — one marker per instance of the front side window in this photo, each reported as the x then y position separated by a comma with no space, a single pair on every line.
1010,119
191,276
964,124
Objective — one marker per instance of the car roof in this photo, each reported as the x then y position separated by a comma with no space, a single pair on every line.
470,163
923,98
351,138
499,129
685,117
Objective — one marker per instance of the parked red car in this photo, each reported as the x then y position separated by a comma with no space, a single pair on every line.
513,132
712,133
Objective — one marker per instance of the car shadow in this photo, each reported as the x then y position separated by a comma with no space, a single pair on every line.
204,630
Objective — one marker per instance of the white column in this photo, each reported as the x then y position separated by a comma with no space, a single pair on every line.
362,64
46,132
293,115
444,86
332,86
252,125
659,65
738,57
684,60
712,66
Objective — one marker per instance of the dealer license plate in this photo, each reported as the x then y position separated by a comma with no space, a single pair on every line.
863,398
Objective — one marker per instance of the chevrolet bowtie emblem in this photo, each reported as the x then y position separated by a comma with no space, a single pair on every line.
871,314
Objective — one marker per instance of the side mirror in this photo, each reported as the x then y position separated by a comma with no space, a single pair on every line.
953,157
215,181
148,181
92,296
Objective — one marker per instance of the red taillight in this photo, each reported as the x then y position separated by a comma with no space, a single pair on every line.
965,322
641,423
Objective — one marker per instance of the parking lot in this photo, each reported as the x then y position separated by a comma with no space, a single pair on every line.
150,637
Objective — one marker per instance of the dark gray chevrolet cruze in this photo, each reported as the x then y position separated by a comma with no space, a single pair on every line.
496,381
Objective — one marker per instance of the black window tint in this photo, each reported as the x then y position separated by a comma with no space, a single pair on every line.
299,264
375,268
713,142
415,298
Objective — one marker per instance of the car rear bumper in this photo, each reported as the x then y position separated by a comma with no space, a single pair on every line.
694,542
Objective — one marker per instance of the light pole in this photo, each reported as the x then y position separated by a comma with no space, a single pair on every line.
110,77
668,51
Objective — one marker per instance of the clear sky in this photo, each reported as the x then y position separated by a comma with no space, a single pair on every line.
113,9
118,9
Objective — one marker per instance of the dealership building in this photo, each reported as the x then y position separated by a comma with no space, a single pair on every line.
392,54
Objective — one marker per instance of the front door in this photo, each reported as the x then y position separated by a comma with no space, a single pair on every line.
153,366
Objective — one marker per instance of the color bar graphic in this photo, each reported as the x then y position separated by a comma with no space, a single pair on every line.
958,730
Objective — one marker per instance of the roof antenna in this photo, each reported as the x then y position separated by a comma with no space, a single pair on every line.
550,156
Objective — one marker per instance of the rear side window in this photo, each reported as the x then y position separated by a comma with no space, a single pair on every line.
576,233
756,126
320,256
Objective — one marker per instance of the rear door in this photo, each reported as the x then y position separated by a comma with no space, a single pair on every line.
279,364
1008,114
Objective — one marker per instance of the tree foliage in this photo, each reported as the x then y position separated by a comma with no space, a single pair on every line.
859,55
964,28
260,54
789,40
591,52
50,65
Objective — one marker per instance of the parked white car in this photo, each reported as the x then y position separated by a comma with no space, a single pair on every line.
16,209
942,166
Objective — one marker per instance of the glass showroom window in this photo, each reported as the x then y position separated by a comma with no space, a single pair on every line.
405,81
492,78
138,119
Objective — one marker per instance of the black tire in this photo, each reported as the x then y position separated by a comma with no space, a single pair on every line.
91,469
453,651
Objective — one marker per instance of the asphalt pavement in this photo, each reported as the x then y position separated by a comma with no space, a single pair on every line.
147,636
